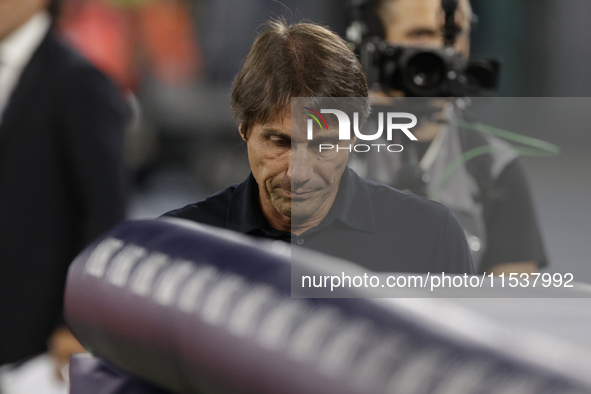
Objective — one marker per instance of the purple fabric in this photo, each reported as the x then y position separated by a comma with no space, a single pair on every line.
92,375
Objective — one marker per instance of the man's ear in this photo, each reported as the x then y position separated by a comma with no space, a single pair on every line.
242,131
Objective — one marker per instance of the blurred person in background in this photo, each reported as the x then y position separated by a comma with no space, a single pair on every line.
489,194
62,178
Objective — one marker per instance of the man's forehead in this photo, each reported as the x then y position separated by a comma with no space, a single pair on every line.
417,11
277,120
319,117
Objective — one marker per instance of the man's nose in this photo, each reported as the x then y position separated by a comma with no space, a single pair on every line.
301,166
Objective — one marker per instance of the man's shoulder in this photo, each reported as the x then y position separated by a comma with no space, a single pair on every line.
70,69
63,52
423,234
387,199
213,210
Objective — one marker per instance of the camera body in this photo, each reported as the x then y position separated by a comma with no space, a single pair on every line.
418,71
426,72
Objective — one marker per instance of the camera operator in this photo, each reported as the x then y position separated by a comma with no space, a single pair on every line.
489,193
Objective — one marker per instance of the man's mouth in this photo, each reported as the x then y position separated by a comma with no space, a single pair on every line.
302,193
297,194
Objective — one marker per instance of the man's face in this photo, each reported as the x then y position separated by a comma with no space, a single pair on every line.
297,183
14,13
419,22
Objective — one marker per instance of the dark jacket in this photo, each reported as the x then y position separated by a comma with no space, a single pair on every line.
61,185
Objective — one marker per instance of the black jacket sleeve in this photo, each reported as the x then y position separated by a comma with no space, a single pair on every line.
92,134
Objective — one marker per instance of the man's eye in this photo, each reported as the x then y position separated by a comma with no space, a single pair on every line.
280,141
329,142
423,34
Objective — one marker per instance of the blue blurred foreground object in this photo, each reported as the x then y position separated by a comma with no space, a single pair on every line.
195,309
